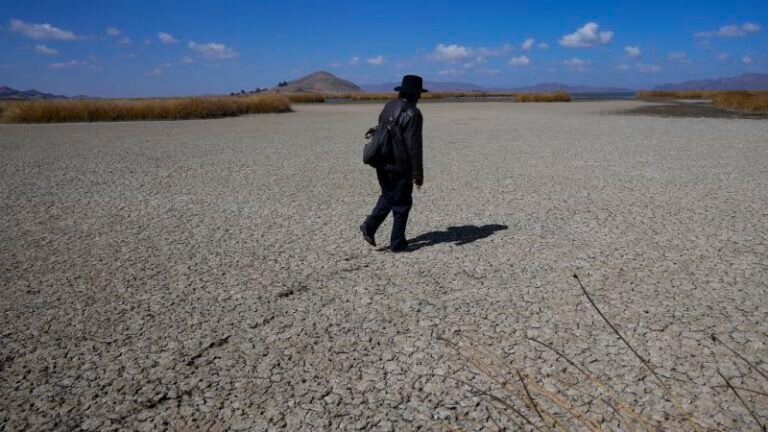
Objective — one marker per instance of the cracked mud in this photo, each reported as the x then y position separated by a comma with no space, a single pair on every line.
209,275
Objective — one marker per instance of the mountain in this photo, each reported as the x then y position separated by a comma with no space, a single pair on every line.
319,82
460,86
551,87
10,93
749,81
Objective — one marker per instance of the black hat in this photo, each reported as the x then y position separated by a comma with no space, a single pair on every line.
411,84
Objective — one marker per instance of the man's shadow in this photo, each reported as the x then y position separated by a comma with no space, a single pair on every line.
459,235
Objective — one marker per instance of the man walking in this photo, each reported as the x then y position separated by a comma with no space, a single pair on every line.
404,168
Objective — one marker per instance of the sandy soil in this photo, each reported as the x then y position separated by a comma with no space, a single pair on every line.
209,274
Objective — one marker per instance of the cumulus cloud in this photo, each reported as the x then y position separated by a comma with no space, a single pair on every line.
213,50
623,67
543,45
723,56
647,68
42,49
731,31
519,61
124,41
187,60
632,51
40,31
746,60
113,31
376,61
166,38
354,60
159,70
587,36
451,53
527,44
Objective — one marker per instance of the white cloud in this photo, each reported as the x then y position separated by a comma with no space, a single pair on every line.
577,62
213,50
632,51
376,61
159,70
187,60
723,56
124,41
451,53
746,60
354,60
731,31
130,56
72,64
646,68
519,61
543,45
451,72
679,57
334,65
622,67
42,49
113,31
40,31
587,36
166,38
527,44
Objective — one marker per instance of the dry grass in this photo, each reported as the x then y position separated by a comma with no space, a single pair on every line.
748,101
305,97
545,403
667,94
60,111
543,97
737,100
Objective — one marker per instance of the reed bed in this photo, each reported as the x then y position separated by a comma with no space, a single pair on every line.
747,101
61,111
305,97
669,94
543,404
543,97
735,100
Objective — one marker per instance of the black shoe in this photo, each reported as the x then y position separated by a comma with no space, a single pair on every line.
371,241
405,248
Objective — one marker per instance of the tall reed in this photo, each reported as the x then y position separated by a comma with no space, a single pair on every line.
90,110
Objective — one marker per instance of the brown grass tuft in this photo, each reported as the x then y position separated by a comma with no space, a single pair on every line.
543,97
669,94
305,97
748,101
58,111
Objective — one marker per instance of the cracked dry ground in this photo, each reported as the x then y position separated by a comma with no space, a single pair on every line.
209,275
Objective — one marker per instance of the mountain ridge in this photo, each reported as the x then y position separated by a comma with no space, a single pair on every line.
747,81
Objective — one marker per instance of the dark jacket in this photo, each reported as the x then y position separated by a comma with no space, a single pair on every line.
406,143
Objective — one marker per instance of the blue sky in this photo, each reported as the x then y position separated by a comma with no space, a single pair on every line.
163,48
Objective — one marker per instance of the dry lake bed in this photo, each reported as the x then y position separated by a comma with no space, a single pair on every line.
209,275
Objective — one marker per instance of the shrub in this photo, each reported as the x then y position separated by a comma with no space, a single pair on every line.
543,97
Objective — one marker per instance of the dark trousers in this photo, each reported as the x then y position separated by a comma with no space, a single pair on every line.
396,196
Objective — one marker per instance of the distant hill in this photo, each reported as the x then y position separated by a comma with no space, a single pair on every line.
10,93
461,86
319,82
749,81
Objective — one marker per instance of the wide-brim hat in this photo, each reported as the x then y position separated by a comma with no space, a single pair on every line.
412,84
